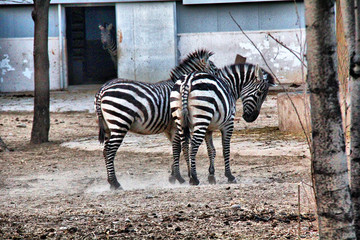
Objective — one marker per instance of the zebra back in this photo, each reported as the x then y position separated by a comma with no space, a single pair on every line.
198,60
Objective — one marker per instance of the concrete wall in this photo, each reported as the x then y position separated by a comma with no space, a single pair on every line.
16,21
252,16
17,64
289,117
148,43
16,48
146,35
226,45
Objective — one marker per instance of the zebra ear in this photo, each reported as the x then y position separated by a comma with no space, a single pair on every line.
109,27
101,27
258,73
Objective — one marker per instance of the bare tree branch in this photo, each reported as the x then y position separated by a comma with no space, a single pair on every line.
308,140
289,49
262,56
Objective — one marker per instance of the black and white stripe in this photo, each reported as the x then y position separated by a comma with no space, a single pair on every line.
201,103
108,41
124,105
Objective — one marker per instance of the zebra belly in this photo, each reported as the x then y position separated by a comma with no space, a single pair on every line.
139,127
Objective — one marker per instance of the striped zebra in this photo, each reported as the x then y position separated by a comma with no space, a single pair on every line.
123,105
201,103
108,41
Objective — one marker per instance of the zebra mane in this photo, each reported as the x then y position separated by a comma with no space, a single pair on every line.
197,60
268,77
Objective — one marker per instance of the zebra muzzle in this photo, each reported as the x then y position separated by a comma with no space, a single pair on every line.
251,117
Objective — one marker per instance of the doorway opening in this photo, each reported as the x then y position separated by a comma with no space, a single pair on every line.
88,62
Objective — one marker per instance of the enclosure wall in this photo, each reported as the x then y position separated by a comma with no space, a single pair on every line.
146,40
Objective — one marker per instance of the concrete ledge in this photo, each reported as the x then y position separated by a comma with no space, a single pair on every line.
288,119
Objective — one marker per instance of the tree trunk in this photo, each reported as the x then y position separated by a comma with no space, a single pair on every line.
329,157
41,123
355,122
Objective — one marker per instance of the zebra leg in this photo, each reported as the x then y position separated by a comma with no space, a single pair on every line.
212,153
110,148
175,170
196,141
185,149
226,137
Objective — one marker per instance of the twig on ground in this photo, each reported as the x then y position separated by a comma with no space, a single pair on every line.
3,147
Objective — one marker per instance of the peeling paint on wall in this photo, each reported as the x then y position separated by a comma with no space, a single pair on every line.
26,69
27,73
5,65
17,64
226,45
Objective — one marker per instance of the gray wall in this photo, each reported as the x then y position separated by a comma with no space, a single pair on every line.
146,40
152,34
17,64
250,16
226,45
211,27
16,22
16,49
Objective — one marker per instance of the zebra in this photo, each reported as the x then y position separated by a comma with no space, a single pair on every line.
124,105
108,41
201,103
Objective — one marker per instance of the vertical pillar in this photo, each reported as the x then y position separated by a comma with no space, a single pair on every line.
146,40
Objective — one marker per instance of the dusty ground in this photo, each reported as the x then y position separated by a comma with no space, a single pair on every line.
58,190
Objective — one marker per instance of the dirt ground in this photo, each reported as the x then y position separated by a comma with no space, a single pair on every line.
58,190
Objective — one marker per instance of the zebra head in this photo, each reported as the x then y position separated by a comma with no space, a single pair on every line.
195,61
107,38
254,93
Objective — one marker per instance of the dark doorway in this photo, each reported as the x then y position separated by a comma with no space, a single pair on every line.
88,62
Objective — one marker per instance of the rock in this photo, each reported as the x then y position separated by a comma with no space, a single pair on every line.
149,196
236,207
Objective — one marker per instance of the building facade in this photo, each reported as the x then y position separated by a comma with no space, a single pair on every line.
152,36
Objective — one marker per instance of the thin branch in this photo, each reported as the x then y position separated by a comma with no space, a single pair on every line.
289,49
287,94
262,56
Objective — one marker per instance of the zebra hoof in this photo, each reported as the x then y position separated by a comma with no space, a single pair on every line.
172,179
212,179
180,179
232,180
194,182
115,186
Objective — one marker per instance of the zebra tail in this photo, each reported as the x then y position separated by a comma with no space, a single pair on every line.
185,110
102,131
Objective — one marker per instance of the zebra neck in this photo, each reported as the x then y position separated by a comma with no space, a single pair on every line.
234,82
